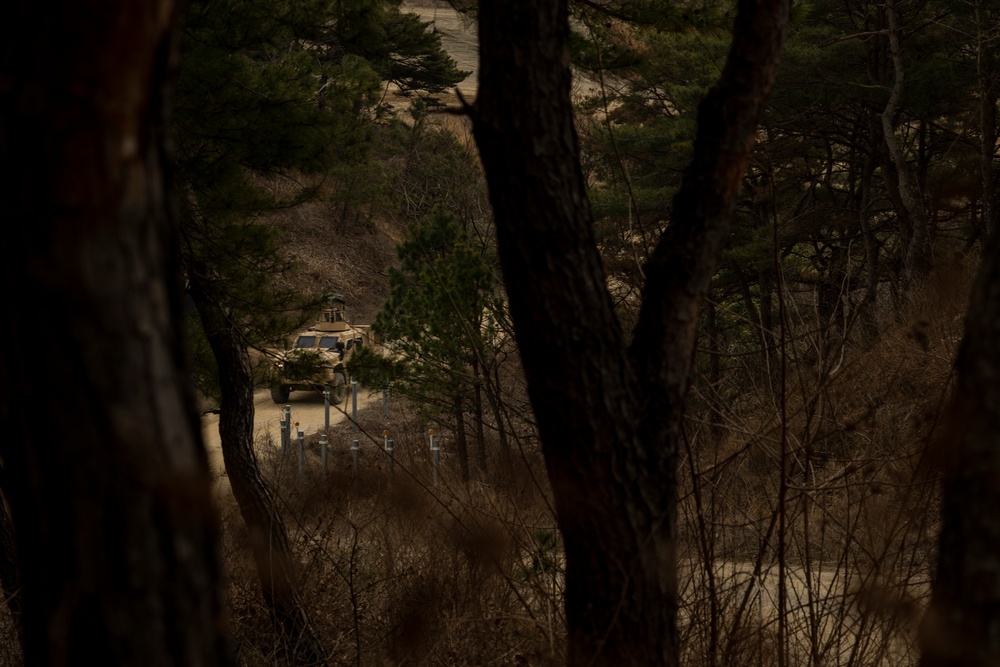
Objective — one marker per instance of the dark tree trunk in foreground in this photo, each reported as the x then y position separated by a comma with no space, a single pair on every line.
10,575
962,627
108,481
276,566
608,417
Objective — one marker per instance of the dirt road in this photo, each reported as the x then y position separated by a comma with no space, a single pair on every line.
308,411
458,37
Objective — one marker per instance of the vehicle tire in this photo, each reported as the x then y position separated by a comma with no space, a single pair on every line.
338,388
279,393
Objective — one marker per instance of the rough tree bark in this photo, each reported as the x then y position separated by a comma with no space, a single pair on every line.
608,415
108,482
277,570
962,626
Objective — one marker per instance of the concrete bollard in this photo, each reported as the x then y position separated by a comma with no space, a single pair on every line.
286,434
387,447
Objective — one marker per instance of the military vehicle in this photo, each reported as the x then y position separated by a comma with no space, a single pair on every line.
315,360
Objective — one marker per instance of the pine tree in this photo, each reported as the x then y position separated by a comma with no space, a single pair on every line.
435,322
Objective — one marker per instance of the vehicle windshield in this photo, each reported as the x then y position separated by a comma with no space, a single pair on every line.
328,342
305,341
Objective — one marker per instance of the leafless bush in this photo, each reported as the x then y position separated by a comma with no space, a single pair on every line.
400,571
808,521
806,531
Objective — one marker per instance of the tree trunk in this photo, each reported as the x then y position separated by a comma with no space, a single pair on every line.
917,260
766,279
962,626
461,437
988,76
715,419
494,397
109,488
10,577
868,307
990,218
276,567
608,421
477,413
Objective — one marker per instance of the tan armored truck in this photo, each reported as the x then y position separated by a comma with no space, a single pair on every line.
315,360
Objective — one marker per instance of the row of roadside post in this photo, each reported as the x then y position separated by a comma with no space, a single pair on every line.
388,444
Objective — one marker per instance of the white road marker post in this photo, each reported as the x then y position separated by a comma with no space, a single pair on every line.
435,456
286,433
389,446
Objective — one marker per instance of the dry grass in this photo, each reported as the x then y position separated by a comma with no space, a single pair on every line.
851,532
398,571
352,261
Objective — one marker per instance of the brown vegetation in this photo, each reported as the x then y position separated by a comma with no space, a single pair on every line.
402,571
